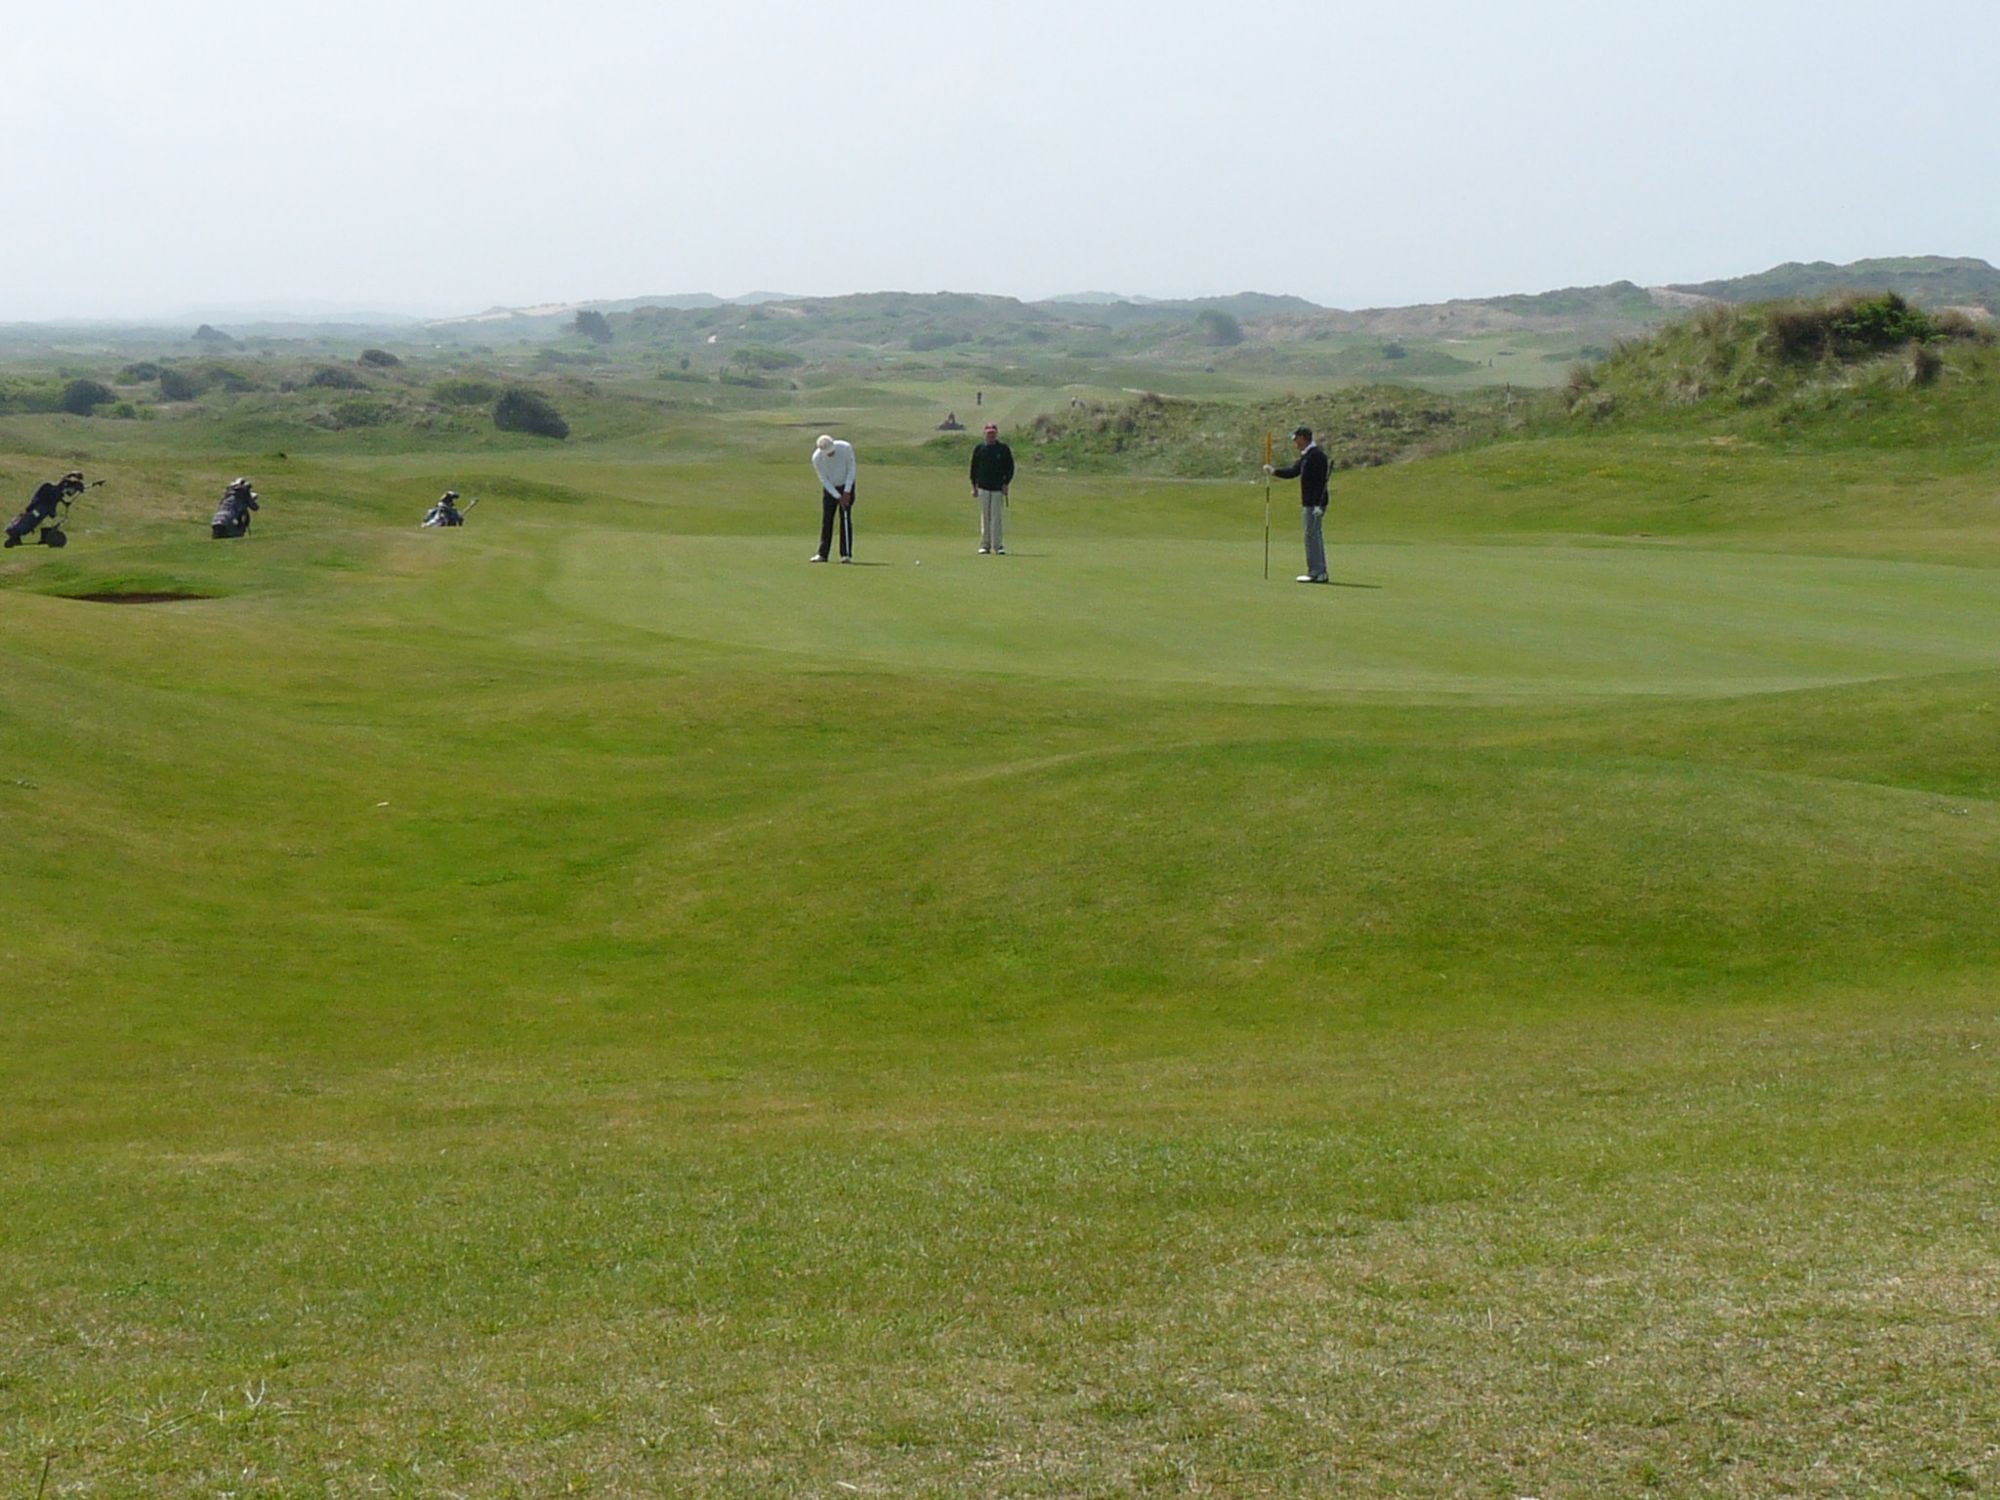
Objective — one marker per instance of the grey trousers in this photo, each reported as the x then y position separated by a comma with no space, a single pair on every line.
1315,517
992,512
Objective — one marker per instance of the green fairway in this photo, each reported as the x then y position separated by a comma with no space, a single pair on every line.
593,1003
1403,618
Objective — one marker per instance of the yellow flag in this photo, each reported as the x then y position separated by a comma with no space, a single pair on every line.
1267,447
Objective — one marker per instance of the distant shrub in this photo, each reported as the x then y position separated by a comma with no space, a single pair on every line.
593,325
362,411
465,391
1217,327
1957,323
137,374
29,396
1394,351
1846,327
124,410
178,385
333,377
522,410
223,377
763,357
82,397
208,335
934,338
379,357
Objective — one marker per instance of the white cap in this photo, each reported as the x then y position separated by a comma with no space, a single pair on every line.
824,443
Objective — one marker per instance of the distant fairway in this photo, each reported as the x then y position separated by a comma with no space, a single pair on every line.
593,1003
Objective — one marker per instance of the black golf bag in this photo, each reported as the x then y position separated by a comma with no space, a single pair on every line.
40,512
232,516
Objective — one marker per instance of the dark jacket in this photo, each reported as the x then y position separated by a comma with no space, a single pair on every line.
1310,471
992,466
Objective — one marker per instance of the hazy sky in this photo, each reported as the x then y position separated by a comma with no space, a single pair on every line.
428,156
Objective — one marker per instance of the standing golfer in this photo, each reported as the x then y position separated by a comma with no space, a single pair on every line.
833,461
992,472
1310,471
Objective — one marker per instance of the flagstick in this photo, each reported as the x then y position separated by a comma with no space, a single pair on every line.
1267,508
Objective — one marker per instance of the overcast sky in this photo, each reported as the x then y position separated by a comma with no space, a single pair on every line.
425,156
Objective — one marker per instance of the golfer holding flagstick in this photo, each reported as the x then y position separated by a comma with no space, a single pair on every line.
1310,471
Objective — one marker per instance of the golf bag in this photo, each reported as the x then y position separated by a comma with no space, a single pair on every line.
232,516
42,512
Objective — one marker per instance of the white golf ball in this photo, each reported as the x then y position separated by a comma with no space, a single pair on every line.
918,563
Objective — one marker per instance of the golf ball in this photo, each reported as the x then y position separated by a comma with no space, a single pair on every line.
918,563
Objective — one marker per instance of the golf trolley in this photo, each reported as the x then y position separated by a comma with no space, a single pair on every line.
46,520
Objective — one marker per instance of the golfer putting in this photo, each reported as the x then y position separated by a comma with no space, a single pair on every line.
833,462
1310,471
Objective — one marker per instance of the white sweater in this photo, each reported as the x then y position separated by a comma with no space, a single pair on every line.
835,469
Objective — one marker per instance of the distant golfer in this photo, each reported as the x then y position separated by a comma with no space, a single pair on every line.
1310,471
833,461
992,473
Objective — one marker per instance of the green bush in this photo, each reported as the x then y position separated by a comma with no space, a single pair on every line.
1846,327
362,411
29,396
1218,328
82,397
520,409
763,357
224,377
333,377
593,325
137,374
178,385
465,390
381,358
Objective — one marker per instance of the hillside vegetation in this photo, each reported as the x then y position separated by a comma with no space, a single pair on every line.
1850,355
1933,281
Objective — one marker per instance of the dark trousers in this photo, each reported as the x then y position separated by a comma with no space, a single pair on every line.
829,508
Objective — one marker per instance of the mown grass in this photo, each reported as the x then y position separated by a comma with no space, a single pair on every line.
590,1003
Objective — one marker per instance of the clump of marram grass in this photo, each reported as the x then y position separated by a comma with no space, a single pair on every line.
1960,326
1846,328
1922,364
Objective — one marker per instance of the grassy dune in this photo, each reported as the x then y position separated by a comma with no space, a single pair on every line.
590,1003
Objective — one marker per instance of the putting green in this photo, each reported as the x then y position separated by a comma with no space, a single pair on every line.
1500,621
